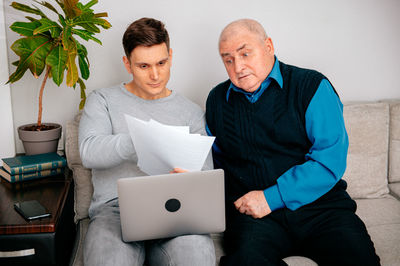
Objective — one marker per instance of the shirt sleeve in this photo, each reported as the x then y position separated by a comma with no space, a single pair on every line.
99,148
326,160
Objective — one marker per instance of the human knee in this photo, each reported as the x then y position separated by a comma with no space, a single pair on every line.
190,250
104,246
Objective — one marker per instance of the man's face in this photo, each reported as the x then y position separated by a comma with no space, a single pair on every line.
247,59
150,68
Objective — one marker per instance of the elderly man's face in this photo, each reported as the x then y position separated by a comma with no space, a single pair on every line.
247,59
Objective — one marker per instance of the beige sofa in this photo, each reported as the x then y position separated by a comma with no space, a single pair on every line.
373,176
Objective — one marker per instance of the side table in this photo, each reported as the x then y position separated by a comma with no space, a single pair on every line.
46,241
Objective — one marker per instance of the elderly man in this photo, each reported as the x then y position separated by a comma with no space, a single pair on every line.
281,139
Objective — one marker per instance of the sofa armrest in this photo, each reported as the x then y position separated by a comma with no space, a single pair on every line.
82,176
77,252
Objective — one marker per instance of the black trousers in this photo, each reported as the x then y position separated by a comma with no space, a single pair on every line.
327,231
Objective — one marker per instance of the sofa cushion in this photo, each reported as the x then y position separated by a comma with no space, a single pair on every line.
386,242
71,142
382,218
299,261
395,189
377,212
394,148
367,125
81,175
83,191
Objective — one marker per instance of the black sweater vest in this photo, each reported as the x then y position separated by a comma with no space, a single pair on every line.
262,140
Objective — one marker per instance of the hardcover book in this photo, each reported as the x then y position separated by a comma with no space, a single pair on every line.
29,176
33,163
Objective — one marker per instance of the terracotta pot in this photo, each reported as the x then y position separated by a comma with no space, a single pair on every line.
37,142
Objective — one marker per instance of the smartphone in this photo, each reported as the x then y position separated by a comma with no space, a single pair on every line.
31,209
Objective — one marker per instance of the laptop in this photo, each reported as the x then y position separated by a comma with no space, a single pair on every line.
162,206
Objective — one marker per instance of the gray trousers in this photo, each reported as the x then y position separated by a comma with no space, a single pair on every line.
104,246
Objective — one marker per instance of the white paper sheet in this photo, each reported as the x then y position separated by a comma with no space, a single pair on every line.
160,148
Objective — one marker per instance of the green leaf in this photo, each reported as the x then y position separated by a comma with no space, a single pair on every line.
90,4
25,28
18,74
103,23
82,49
86,21
32,52
48,5
31,18
27,9
83,62
84,68
56,32
83,93
86,35
99,15
48,25
57,60
70,8
80,6
62,20
90,27
66,36
72,73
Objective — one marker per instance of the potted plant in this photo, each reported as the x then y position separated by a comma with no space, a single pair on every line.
48,45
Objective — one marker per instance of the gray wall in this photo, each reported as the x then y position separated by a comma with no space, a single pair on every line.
353,42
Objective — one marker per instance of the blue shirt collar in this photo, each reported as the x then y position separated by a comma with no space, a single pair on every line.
255,95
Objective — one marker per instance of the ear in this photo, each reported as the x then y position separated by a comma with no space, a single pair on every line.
170,56
127,64
269,46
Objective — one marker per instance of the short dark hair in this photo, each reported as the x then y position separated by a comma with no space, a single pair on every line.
144,32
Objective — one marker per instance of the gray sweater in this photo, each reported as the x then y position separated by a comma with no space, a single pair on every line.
104,142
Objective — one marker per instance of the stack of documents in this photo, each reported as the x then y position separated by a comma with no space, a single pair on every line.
160,148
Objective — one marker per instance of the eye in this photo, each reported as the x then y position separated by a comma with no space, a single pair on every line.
245,54
161,63
143,66
228,61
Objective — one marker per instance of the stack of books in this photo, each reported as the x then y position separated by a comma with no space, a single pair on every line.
28,167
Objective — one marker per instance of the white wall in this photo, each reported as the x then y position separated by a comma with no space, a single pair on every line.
7,147
353,42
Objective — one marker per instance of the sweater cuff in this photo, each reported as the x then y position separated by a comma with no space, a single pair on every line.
274,198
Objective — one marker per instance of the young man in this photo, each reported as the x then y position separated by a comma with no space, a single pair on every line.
281,139
106,148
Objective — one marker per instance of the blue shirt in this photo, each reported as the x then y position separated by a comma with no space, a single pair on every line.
326,160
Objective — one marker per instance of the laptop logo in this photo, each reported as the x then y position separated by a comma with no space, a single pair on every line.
172,205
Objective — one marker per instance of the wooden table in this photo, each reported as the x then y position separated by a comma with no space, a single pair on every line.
46,241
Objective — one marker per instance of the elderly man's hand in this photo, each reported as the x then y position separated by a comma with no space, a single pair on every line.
253,203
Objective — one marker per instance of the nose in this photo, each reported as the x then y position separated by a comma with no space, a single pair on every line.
238,65
154,73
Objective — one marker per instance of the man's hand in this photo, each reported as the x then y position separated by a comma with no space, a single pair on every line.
253,203
178,170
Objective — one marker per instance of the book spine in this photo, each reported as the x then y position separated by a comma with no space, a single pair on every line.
37,167
36,175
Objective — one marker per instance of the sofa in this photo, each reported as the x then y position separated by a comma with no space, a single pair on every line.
372,174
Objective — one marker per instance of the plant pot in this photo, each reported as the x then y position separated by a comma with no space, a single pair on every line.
37,142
